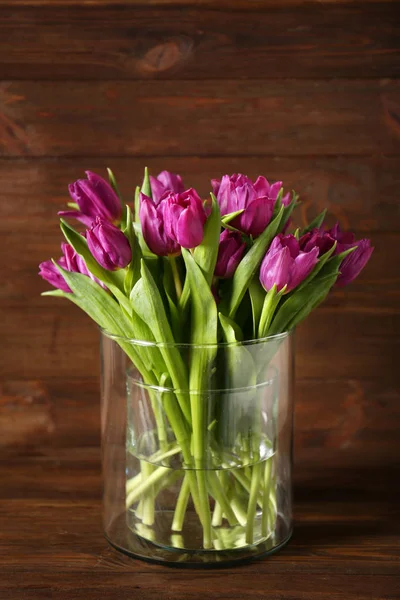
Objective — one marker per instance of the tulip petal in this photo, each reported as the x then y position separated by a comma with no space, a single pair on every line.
256,217
189,229
302,266
275,269
354,263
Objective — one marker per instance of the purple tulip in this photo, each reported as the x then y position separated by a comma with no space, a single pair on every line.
95,197
70,261
237,192
165,182
352,264
286,264
108,245
230,252
176,221
52,275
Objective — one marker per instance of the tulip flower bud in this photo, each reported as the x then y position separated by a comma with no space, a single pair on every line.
230,252
108,245
165,182
176,221
285,264
95,197
257,200
353,263
52,275
70,261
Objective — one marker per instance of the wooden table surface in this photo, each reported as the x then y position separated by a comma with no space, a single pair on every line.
347,528
307,92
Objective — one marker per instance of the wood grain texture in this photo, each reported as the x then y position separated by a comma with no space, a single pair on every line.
306,91
133,42
274,118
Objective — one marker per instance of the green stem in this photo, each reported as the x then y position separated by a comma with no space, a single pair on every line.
219,494
252,506
266,503
148,498
181,505
175,275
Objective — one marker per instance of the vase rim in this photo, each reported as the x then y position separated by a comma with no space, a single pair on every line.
144,343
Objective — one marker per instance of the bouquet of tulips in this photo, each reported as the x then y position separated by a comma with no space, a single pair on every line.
174,268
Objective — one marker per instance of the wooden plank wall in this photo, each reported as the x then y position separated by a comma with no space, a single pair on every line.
304,92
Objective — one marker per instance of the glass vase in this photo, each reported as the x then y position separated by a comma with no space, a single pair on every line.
197,462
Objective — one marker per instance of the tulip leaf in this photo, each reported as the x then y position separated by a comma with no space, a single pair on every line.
315,223
226,220
79,244
302,300
204,323
250,263
270,303
97,303
170,293
230,216
105,311
206,253
204,336
137,205
257,296
133,270
57,293
148,304
146,186
241,369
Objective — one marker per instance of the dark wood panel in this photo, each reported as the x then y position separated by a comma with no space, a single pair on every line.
336,420
22,286
232,4
291,118
141,42
62,342
361,192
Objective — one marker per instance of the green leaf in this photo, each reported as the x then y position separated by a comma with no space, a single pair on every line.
148,304
57,293
113,183
114,280
206,253
257,296
137,205
226,220
146,186
315,223
133,270
241,369
270,303
230,216
250,263
302,300
204,335
73,205
97,303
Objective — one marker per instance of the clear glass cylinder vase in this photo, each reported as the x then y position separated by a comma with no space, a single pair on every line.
197,449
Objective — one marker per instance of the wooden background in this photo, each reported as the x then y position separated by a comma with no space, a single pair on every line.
307,92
